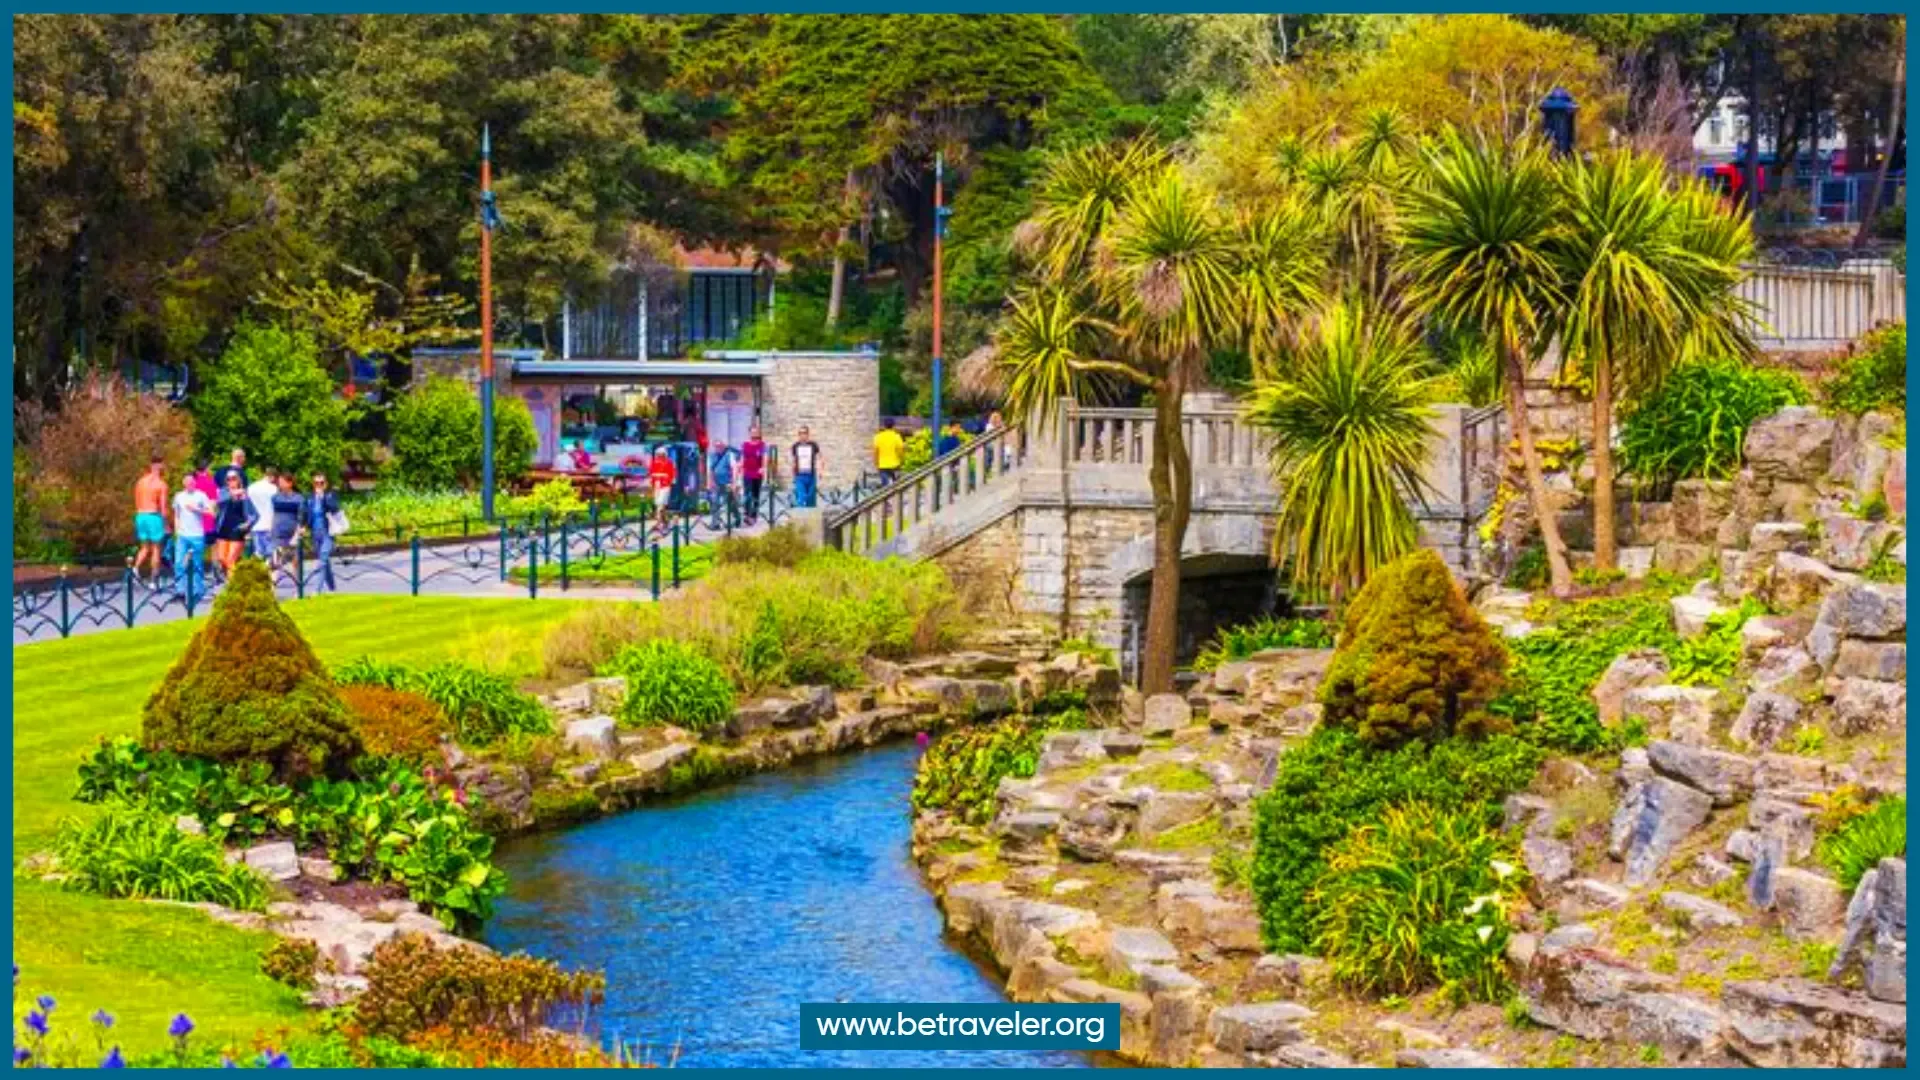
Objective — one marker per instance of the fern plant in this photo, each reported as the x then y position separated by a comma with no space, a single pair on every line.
1860,844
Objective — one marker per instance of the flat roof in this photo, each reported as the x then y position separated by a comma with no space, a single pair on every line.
641,370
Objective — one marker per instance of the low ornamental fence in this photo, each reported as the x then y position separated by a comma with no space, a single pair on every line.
547,554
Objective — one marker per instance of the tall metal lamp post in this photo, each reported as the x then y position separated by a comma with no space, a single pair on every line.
1556,118
941,212
489,220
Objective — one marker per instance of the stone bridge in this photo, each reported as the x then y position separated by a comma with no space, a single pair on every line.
1058,522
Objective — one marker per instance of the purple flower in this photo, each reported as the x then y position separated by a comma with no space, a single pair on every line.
103,1018
16,974
22,1055
227,1063
37,1022
113,1060
272,1059
45,1001
181,1027
921,740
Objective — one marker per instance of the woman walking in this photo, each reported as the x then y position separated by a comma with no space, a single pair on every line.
233,522
318,511
286,520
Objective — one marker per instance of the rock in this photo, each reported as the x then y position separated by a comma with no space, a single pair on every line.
1165,810
1162,867
1726,777
1257,1027
1895,486
1655,815
1440,1058
1707,872
1630,670
1690,614
1573,936
1564,774
1700,913
1760,633
1549,861
1636,562
1795,443
1223,714
1886,972
1302,719
1231,677
1766,856
1068,749
1584,992
1092,832
1794,1023
1131,948
1192,907
1698,508
1031,827
1743,845
655,766
1765,719
317,869
607,694
1866,609
1790,776
1121,744
1679,713
1849,543
1680,558
1876,925
1285,973
1526,813
1634,767
1791,822
1598,894
1862,705
190,825
1881,661
1179,1017
276,861
1795,582
1680,1025
1166,714
1809,904
1785,669
1306,1055
595,735
1773,537
585,773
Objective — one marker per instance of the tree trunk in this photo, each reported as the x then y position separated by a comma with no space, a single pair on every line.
1604,556
838,291
1560,575
1874,193
1172,479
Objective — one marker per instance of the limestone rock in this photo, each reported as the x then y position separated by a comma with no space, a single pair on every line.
1765,719
1786,669
607,694
1706,872
1760,633
1121,744
1680,713
1629,671
1895,486
595,735
1809,904
1193,907
1445,1059
1866,609
1306,1055
1796,581
1656,814
1690,614
1795,443
1728,778
1526,813
1850,543
1549,861
1162,867
1166,714
1030,827
1231,677
1876,937
1773,537
1068,749
1261,1026
1285,973
276,860
1790,821
1133,948
1881,661
1165,810
317,869
1698,508
1862,705
1598,894
1699,912
1681,558
1794,1023
1092,832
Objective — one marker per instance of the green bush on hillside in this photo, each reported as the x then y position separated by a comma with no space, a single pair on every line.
270,395
961,771
249,688
1415,659
1243,640
1694,424
1874,377
671,682
436,436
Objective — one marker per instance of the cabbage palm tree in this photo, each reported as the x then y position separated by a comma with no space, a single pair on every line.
1139,276
1477,251
1649,274
1348,411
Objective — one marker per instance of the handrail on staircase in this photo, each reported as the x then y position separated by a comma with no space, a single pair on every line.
922,493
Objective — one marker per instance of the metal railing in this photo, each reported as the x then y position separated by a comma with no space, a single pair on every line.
987,461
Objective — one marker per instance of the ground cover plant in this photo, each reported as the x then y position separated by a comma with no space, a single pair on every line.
962,769
1270,632
1874,377
480,705
1856,847
671,682
1556,666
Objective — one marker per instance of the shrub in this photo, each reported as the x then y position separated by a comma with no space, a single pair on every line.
1333,781
412,987
481,705
1860,844
784,547
961,771
271,396
83,461
1694,424
1415,659
672,682
1417,900
1242,641
436,436
1874,377
142,854
249,688
398,724
555,500
1709,657
291,962
1555,667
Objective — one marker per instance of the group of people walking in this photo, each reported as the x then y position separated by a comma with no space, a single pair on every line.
737,476
267,518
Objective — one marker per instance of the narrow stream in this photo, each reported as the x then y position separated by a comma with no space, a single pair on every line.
716,915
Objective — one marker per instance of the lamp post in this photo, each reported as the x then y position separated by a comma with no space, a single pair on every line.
1556,119
941,213
489,218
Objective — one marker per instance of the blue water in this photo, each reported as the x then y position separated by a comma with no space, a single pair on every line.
716,915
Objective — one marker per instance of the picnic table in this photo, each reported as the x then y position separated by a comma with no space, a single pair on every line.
591,486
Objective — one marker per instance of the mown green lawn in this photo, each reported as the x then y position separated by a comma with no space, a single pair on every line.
145,962
632,568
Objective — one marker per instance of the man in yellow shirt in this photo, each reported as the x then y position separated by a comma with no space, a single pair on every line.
889,452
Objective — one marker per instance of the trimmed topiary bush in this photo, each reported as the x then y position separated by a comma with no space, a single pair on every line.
1415,659
672,682
249,688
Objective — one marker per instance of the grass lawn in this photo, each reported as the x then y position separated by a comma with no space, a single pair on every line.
634,568
145,962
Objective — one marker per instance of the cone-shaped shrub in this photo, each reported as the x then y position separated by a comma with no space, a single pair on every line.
250,689
1415,660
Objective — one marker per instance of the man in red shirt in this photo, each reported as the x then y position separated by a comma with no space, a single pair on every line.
753,471
661,474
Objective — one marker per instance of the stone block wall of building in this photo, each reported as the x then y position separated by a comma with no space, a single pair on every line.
836,395
985,569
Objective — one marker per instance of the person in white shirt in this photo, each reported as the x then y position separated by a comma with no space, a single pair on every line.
260,493
189,536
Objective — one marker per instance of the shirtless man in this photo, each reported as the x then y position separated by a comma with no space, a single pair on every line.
150,517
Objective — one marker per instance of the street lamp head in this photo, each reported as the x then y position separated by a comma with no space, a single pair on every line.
1556,119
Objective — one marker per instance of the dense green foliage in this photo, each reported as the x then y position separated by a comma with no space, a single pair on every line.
1707,658
1694,424
1333,782
1555,667
389,825
1415,661
1859,845
248,688
962,770
671,682
271,396
481,705
1874,377
1243,640
140,853
1419,899
436,436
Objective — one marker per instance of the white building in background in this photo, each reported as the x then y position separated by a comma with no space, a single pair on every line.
1719,136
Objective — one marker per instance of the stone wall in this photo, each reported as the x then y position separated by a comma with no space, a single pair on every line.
985,569
837,395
